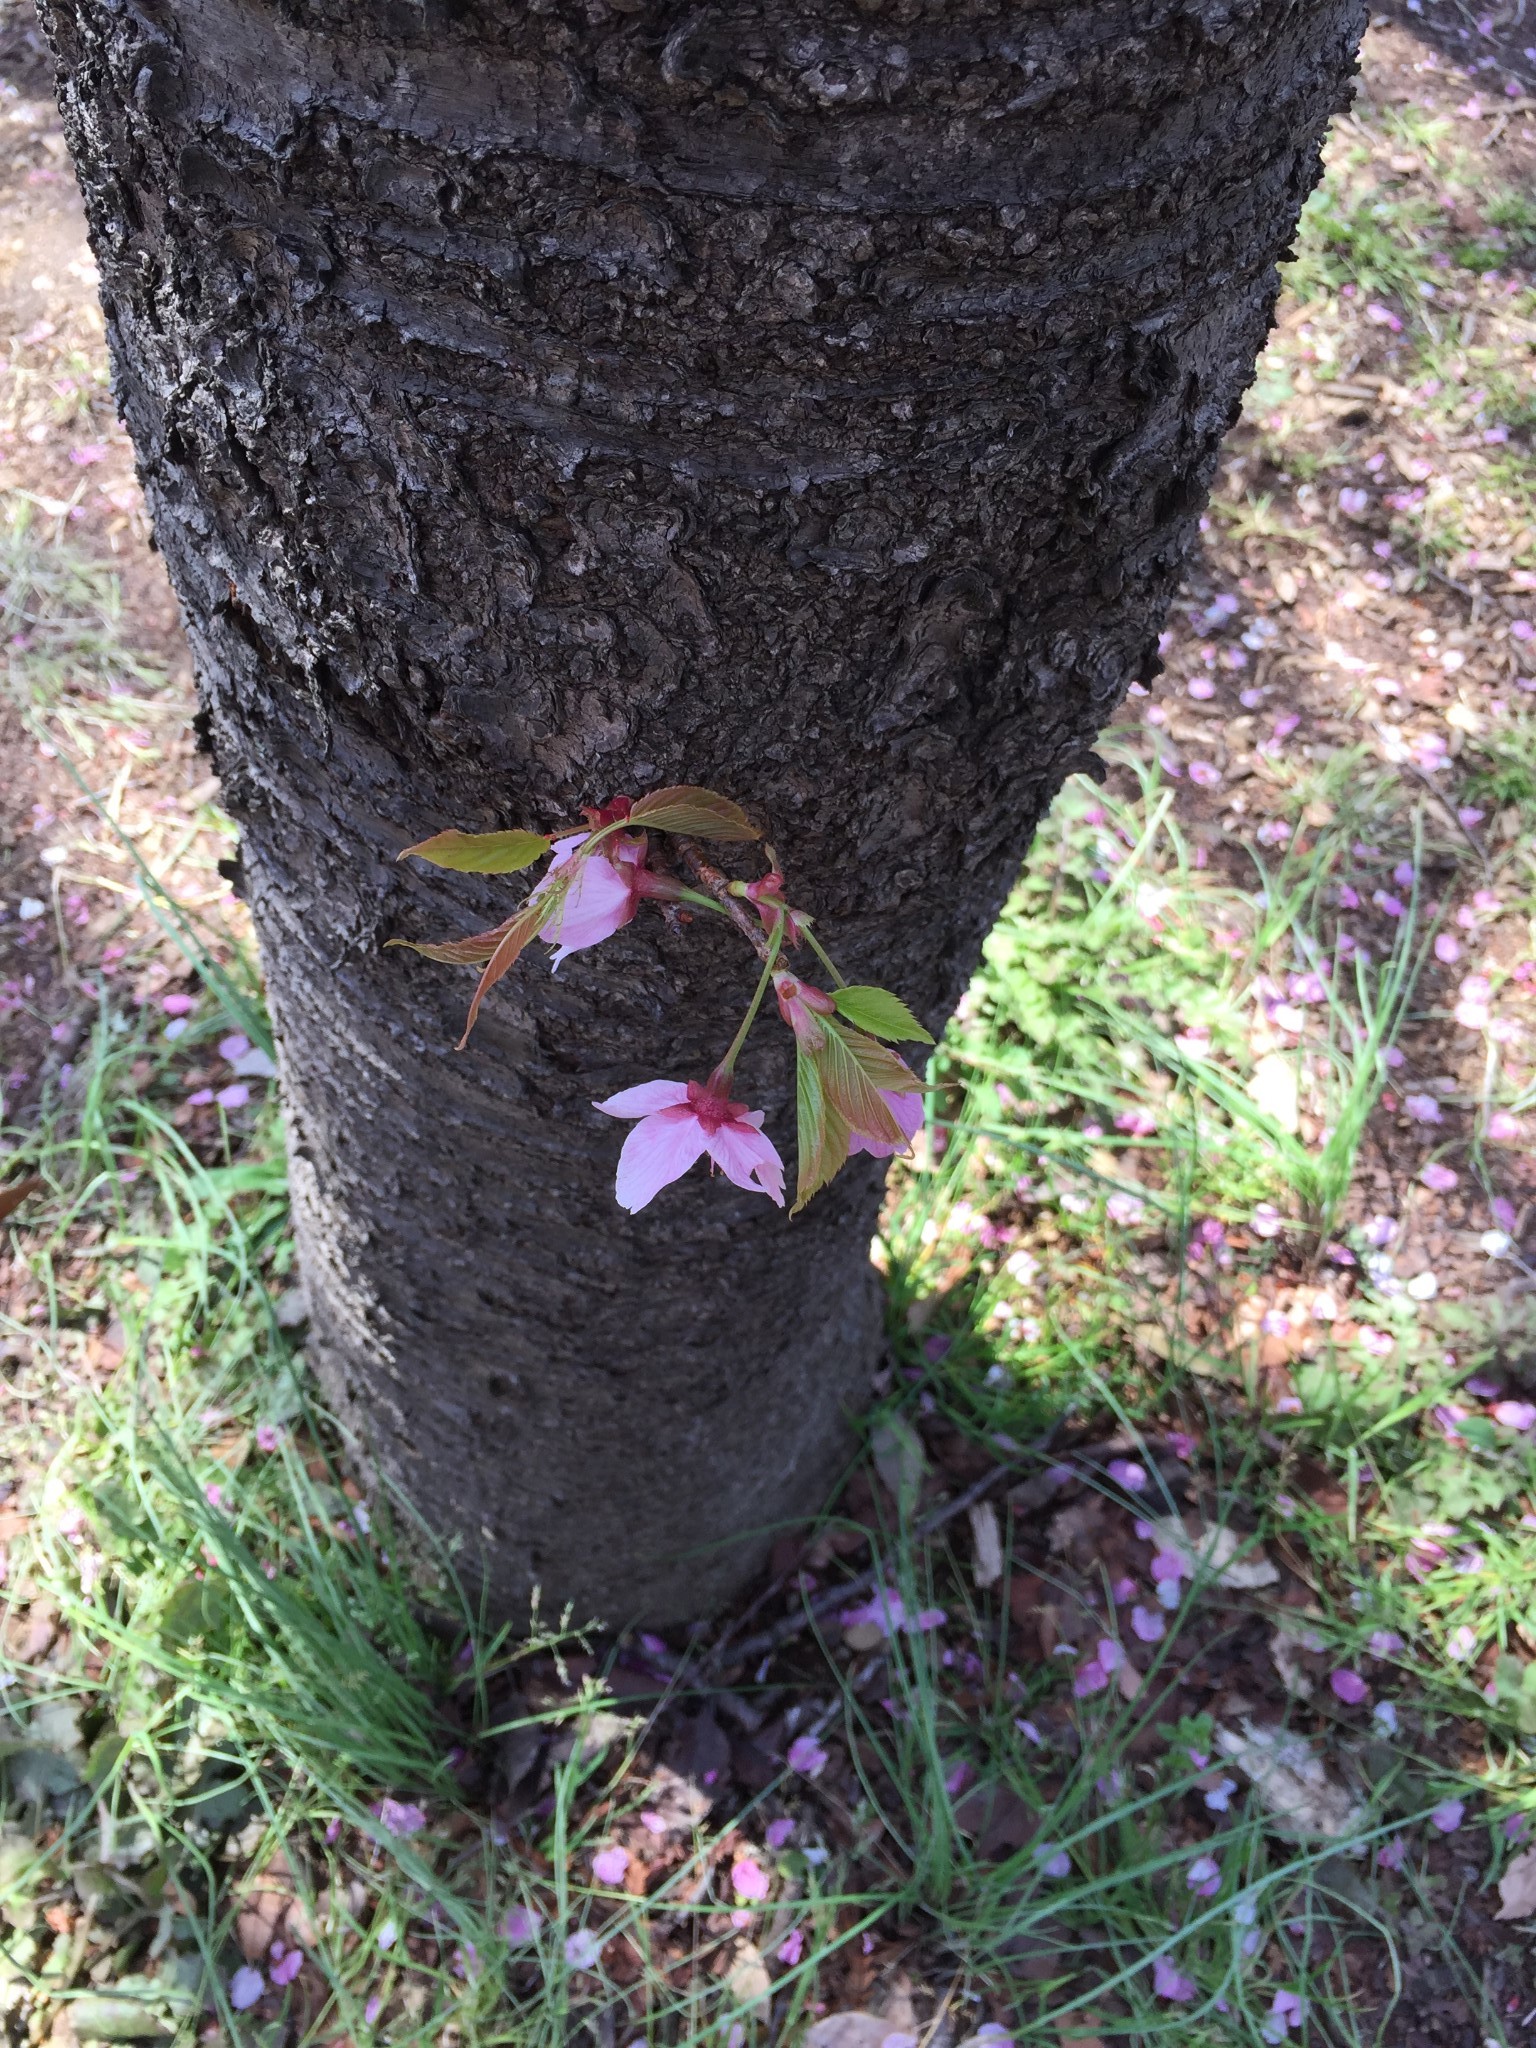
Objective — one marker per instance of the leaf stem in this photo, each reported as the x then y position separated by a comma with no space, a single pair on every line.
823,956
728,1065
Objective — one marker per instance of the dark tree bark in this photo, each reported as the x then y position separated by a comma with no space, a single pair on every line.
537,402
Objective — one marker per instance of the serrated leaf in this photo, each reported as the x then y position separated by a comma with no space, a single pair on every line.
877,1010
472,951
481,853
851,1091
700,812
821,1135
879,1064
527,924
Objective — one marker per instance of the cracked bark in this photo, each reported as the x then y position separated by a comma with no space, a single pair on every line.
811,398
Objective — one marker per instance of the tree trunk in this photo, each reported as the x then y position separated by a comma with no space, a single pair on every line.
810,398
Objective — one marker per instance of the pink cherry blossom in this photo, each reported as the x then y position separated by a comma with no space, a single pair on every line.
610,1865
1124,1473
1423,1109
778,1832
1392,1855
1088,1679
1502,1127
792,1947
520,1926
288,1965
681,1121
1349,1686
749,1880
1448,948
1385,1642
1439,1179
1205,773
807,1756
1515,1414
602,896
1447,1816
1203,1877
1147,1624
1171,1983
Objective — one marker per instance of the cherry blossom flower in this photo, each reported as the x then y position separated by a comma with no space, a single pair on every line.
1053,1862
1089,1678
1171,1983
1447,1816
1286,2011
1461,1643
1503,1129
1519,1415
1218,1797
807,1756
1348,1686
681,1121
1447,948
1147,1625
1203,1877
1423,1109
1392,1855
1124,1473
749,1880
1181,1443
1384,1715
1439,1179
778,1832
1137,1122
1266,1220
582,1949
245,1987
268,1436
1125,1210
401,1817
603,893
287,1963
1469,815
1205,774
792,1947
521,1926
1385,1642
610,1865
1471,1010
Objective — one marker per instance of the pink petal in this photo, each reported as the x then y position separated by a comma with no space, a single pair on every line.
599,902
749,1159
645,1098
656,1152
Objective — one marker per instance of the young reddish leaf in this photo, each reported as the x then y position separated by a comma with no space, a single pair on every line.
472,951
843,1064
879,1064
877,1010
821,1135
527,924
699,812
481,853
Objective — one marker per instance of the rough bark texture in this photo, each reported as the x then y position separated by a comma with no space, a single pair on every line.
812,398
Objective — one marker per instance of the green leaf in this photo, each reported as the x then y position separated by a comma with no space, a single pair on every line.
481,853
877,1010
821,1134
878,1064
699,812
517,932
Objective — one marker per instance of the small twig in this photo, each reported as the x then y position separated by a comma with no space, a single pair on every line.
711,880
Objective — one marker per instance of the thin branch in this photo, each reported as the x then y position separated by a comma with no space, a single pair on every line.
710,879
